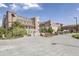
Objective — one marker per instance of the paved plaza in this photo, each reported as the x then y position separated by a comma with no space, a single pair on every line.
60,45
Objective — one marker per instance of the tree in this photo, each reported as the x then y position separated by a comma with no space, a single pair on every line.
17,30
17,24
2,31
50,30
43,30
61,27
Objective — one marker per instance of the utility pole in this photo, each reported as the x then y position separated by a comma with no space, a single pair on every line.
76,24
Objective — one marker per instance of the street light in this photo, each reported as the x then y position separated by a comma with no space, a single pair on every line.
76,24
12,23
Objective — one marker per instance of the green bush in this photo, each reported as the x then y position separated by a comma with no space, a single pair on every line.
76,36
2,31
43,30
8,34
17,30
50,30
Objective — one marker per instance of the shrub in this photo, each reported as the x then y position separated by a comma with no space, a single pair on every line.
17,30
50,30
43,30
8,34
76,36
2,31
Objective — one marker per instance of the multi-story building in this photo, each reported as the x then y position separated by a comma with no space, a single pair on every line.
49,23
31,24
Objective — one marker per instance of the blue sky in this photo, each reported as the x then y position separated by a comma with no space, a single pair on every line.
57,12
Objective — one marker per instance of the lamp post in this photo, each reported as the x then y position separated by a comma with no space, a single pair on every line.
76,24
12,23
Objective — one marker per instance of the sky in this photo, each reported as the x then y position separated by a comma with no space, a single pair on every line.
57,12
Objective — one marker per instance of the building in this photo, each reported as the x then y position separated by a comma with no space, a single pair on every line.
49,23
71,28
31,24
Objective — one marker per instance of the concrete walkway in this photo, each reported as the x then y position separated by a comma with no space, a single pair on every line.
60,45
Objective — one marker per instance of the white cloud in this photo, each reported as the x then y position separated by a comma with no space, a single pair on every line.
31,5
25,6
3,5
13,6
